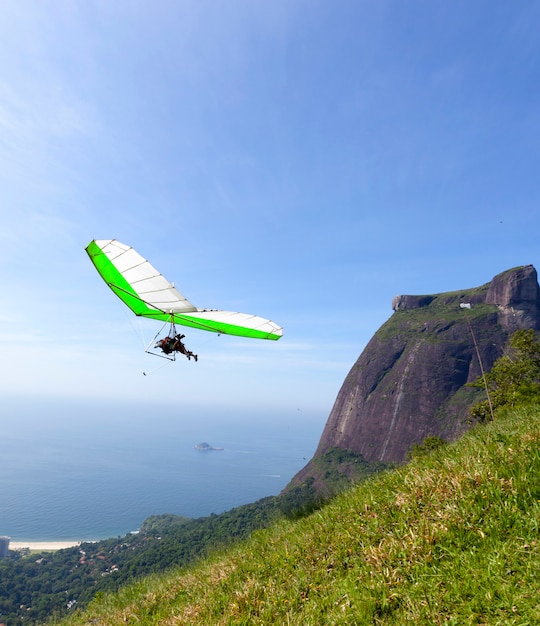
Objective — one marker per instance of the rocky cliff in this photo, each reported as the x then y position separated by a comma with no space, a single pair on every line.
409,382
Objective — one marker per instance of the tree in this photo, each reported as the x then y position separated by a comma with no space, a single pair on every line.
514,378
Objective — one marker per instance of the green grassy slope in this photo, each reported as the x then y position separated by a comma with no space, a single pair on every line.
451,538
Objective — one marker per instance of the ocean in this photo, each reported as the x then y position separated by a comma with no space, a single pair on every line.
74,470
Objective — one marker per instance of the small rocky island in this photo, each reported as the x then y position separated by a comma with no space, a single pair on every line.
206,447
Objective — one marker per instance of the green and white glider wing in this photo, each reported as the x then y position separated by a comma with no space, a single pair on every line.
149,294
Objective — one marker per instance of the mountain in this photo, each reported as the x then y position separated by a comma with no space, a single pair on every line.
410,381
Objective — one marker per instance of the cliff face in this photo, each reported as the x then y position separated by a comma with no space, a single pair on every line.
409,381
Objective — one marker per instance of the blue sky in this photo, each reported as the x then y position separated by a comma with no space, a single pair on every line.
300,160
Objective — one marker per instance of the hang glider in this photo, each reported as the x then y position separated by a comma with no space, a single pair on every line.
149,294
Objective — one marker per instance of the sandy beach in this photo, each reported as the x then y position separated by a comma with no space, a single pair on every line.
42,545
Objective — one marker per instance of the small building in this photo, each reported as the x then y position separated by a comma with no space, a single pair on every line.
4,546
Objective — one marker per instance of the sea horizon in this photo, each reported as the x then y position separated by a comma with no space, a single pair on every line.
77,471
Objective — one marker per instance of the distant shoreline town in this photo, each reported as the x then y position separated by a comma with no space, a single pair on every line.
45,546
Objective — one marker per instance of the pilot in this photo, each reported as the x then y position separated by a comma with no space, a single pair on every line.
174,344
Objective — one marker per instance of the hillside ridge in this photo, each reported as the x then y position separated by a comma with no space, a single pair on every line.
451,537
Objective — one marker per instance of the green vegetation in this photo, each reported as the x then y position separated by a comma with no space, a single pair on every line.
514,378
338,470
450,538
440,311
34,587
429,445
156,524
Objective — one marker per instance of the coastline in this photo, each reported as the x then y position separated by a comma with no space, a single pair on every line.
42,545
